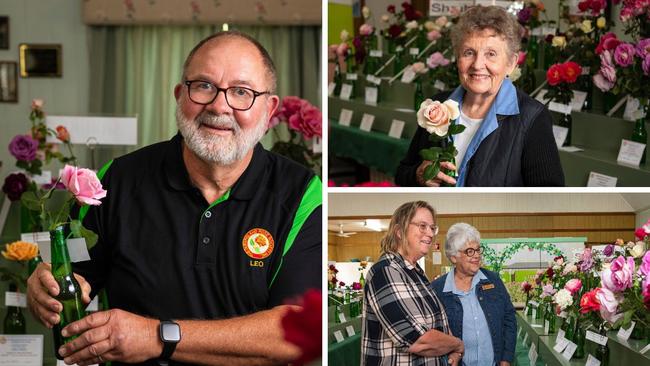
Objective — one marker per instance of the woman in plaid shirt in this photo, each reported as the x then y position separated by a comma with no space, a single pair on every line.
404,323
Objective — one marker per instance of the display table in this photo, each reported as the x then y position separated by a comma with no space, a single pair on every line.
346,353
620,352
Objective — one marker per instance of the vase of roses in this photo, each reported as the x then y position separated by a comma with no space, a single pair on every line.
560,78
437,118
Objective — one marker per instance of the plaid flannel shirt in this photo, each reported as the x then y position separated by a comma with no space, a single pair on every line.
398,308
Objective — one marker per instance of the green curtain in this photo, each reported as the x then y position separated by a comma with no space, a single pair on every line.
133,71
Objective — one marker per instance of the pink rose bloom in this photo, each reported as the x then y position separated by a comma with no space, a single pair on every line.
308,121
602,83
644,268
606,59
619,275
573,286
643,48
624,54
646,65
37,103
547,290
609,305
366,29
332,50
83,184
522,58
290,106
437,59
342,50
433,35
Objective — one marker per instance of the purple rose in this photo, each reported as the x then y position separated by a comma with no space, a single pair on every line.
609,250
23,147
524,15
644,268
624,54
587,261
643,48
15,185
619,275
646,64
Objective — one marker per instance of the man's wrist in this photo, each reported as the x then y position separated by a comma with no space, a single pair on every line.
153,326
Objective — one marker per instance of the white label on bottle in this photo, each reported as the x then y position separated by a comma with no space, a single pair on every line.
346,91
633,110
317,145
601,180
330,89
17,299
44,178
631,153
373,79
414,51
93,305
592,361
586,70
624,334
371,95
439,85
376,53
563,314
569,350
560,134
547,325
366,122
351,76
533,303
396,128
339,336
534,313
595,337
350,330
342,318
345,117
560,344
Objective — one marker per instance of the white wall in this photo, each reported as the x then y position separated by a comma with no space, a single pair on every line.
44,21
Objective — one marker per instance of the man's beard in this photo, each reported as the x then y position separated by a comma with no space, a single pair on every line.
221,150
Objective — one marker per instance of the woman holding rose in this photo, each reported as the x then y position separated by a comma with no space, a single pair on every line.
508,138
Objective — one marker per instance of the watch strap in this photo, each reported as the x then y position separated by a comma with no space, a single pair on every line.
168,347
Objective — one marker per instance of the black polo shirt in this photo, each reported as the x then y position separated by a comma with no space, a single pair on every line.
165,252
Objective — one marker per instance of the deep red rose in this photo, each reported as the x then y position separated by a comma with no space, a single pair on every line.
554,75
395,30
303,327
607,42
584,5
15,185
549,273
391,9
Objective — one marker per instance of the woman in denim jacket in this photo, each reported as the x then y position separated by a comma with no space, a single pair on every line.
476,302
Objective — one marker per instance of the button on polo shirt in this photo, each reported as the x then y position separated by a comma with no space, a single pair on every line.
165,252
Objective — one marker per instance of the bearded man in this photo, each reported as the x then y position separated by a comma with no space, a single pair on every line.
202,239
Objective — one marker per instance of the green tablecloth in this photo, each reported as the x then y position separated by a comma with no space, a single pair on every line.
373,149
346,353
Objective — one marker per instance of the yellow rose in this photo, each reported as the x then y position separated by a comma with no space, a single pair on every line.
429,25
637,250
585,26
366,12
435,116
344,35
20,251
515,74
601,22
559,41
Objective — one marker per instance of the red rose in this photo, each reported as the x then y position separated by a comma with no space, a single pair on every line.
62,134
554,75
549,273
607,42
584,5
302,327
391,9
589,301
395,30
570,71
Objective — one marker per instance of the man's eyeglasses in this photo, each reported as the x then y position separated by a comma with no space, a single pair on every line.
471,251
237,97
423,226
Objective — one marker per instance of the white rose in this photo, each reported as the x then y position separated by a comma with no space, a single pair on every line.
637,250
435,116
429,25
412,24
515,74
585,26
366,12
570,268
563,299
385,18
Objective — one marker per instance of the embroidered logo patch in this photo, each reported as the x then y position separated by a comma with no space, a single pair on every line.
258,243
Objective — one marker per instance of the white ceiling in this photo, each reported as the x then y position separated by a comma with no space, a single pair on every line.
371,205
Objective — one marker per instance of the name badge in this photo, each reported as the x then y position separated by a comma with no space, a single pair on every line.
487,287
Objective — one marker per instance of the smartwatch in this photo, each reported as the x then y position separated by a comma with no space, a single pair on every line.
170,335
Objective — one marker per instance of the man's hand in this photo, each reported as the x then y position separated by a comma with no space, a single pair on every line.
113,335
454,358
41,289
438,179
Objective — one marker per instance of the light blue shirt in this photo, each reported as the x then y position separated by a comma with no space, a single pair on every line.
504,104
476,333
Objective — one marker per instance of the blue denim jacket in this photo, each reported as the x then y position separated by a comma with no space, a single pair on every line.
498,310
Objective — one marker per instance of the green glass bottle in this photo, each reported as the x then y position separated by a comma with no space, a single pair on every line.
69,289
337,80
549,317
346,298
533,52
33,263
566,121
640,134
418,98
14,320
579,340
362,281
398,64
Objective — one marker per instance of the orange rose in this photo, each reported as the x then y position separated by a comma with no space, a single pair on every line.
62,134
435,116
20,251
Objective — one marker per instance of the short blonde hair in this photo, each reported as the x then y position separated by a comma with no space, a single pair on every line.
395,238
478,18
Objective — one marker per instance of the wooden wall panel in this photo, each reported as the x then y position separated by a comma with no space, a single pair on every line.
599,228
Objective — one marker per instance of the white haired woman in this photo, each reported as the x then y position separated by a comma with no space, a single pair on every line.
477,303
404,323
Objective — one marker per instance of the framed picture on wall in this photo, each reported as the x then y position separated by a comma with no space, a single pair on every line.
4,32
8,81
40,60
